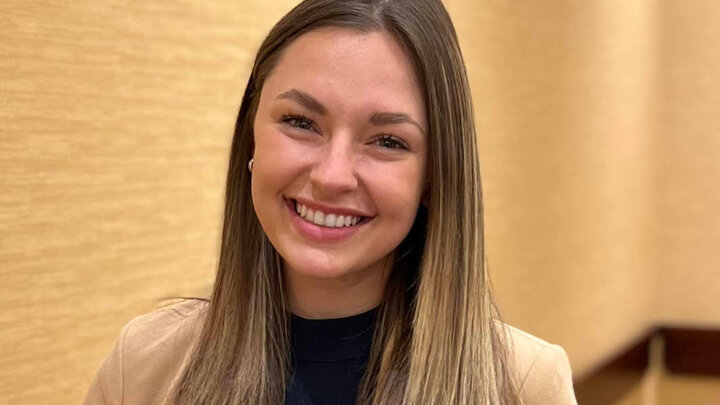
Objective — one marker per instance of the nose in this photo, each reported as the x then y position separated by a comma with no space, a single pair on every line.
333,173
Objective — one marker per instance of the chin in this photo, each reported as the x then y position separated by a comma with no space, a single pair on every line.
317,270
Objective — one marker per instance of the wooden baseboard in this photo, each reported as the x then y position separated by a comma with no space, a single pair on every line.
685,351
691,350
609,382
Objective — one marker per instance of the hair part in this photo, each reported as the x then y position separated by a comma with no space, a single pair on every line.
439,276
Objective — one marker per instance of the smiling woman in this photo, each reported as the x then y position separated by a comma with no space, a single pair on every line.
352,261
358,157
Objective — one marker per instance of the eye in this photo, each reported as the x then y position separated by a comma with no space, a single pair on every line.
298,121
390,142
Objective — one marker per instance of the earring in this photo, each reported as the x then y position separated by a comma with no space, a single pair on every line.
250,165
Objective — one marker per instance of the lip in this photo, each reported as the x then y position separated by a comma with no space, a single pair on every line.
319,233
331,210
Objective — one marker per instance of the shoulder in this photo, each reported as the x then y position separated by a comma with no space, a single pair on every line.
542,369
164,328
148,354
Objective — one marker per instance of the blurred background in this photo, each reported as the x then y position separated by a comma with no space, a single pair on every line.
599,139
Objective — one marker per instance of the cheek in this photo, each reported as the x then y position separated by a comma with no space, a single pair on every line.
272,172
277,157
397,193
269,142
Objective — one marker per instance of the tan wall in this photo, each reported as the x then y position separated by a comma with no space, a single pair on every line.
562,92
115,122
687,127
598,142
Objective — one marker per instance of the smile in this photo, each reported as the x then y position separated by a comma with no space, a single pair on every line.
320,218
324,227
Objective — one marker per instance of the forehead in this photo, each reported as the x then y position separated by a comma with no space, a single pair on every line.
350,70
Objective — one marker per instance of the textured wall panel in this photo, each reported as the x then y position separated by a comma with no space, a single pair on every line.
563,95
597,124
688,164
115,122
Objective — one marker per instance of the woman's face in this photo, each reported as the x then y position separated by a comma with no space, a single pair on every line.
340,136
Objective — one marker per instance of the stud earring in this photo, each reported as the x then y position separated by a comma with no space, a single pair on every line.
250,165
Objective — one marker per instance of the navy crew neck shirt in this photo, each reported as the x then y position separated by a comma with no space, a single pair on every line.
328,358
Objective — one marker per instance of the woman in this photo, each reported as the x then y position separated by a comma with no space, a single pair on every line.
352,260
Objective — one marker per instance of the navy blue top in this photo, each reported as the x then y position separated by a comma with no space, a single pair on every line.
328,358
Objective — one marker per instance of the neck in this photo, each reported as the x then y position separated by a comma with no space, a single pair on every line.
327,298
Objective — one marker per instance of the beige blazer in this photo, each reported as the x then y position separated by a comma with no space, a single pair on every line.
152,348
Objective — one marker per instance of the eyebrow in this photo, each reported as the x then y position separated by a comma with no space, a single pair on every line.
387,118
304,100
377,118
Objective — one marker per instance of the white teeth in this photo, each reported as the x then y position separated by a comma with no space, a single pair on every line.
328,220
319,218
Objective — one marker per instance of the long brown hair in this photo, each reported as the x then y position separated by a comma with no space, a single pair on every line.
437,338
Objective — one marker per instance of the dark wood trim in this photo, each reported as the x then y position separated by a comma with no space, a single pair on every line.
613,379
692,350
686,350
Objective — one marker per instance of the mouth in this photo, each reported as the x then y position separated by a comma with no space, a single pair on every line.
324,219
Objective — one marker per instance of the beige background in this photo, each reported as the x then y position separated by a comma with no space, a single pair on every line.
599,142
